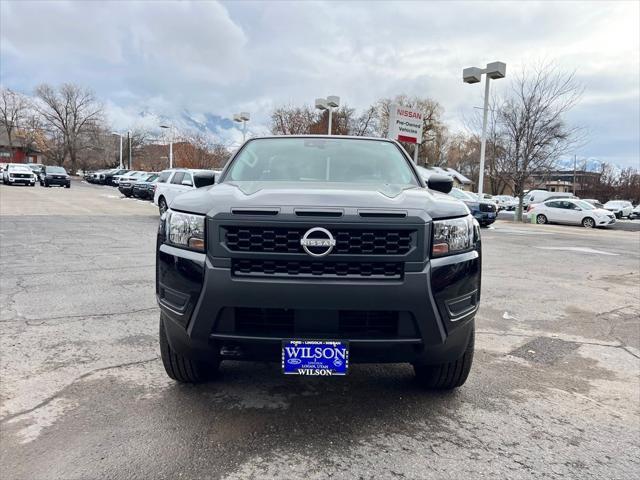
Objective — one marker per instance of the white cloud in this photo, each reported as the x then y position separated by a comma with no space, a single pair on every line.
209,58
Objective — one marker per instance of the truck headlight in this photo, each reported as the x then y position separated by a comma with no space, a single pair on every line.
185,230
453,236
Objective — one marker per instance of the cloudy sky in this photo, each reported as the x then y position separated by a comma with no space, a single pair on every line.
160,59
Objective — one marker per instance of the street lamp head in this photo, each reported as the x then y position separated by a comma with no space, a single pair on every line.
116,133
165,126
237,117
321,103
496,70
245,116
333,101
471,75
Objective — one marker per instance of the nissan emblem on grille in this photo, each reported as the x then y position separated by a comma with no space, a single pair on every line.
318,242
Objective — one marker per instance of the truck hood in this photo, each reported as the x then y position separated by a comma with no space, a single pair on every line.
224,197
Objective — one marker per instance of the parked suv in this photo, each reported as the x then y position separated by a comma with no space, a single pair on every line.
317,253
17,173
620,208
178,182
52,175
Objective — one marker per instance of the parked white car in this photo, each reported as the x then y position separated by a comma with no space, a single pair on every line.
573,212
132,176
538,196
621,208
172,183
15,174
506,202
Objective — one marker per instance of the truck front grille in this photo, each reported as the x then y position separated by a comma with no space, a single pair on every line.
301,269
348,241
280,322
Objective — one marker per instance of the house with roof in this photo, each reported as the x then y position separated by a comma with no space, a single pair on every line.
16,152
459,180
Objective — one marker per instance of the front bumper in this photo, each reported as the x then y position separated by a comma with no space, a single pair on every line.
603,222
485,218
58,181
24,181
198,295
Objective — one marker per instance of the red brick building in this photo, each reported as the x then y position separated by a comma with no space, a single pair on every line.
16,153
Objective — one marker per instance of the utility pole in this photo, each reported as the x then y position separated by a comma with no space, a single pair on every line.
574,174
129,140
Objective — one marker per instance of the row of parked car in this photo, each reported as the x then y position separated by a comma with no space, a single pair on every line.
32,173
161,187
544,206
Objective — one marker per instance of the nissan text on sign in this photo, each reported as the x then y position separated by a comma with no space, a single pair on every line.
405,124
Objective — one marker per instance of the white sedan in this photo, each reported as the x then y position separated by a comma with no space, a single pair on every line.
572,211
621,208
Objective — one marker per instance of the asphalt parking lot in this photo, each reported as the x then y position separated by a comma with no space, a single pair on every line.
554,391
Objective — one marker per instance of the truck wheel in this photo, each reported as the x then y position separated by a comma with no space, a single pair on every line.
180,368
447,376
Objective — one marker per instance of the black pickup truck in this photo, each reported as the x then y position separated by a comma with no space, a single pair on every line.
318,252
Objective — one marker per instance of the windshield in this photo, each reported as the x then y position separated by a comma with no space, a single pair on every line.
584,205
151,178
56,170
321,160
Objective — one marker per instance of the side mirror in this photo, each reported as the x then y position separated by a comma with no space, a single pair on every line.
187,183
440,183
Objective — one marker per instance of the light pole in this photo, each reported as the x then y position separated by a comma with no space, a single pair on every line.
129,141
327,104
119,135
170,127
494,70
242,117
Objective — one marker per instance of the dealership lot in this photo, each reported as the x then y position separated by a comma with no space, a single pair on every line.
553,392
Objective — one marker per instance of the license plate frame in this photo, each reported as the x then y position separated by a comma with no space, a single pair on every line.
331,360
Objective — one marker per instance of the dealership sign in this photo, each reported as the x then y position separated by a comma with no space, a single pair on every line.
405,124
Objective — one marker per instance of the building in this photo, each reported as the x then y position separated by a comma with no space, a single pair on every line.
16,153
576,182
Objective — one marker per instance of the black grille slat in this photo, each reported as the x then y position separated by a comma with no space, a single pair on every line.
348,241
259,267
264,320
274,322
369,324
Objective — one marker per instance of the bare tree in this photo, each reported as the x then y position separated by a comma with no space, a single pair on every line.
366,124
71,111
13,107
290,120
532,124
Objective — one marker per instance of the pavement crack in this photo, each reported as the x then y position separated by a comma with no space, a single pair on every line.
59,393
32,322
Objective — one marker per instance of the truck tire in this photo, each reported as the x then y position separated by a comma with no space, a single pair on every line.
180,368
447,376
